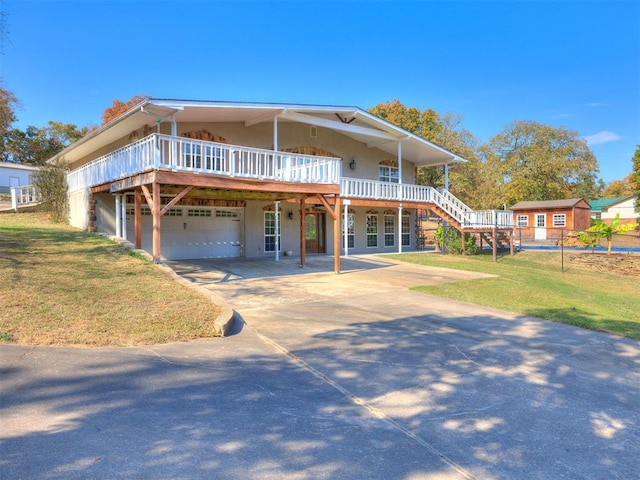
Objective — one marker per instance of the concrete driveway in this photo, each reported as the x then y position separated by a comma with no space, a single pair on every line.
347,376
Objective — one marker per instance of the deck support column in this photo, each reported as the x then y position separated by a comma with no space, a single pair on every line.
137,217
512,249
155,212
277,229
495,244
303,243
123,214
118,216
336,235
400,229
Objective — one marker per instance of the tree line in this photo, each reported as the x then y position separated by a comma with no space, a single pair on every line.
527,160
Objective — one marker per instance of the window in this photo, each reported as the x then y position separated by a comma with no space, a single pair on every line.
226,213
389,230
351,231
372,230
174,212
203,156
559,220
406,230
523,220
198,212
270,231
388,174
541,220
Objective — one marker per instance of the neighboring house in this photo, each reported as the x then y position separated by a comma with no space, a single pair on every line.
549,219
606,209
14,175
192,179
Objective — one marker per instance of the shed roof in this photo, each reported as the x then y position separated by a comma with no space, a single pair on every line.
548,204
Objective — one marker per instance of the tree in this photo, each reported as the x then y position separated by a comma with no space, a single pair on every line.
618,188
539,162
425,123
604,230
119,107
446,131
37,145
634,179
8,104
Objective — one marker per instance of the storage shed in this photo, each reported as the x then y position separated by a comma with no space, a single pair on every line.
549,219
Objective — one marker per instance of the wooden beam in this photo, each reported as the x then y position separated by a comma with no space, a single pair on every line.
235,183
148,197
155,212
175,200
327,206
303,237
132,182
137,217
336,235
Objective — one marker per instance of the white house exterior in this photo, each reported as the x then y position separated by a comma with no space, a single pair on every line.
15,175
193,179
625,207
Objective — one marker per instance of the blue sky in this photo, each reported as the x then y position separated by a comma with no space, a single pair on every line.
571,64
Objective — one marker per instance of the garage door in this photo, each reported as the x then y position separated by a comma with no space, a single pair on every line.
194,232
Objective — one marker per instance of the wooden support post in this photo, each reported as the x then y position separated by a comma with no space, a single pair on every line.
303,243
463,243
495,245
155,212
336,235
511,242
137,217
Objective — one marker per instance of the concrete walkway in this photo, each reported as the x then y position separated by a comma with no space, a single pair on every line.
347,376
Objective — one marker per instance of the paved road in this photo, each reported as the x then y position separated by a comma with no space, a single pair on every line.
348,377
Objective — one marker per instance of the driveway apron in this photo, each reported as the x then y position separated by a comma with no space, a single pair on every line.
491,393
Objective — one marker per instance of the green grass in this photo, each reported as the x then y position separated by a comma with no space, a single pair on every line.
533,283
61,286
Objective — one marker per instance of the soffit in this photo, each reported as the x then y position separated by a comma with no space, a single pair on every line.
352,122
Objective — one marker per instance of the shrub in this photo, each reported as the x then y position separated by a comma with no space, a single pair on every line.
51,182
450,240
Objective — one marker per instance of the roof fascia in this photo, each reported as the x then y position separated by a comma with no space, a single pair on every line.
138,107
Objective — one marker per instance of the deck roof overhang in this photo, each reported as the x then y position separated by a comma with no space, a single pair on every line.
352,122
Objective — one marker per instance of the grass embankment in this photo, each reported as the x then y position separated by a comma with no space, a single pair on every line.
532,283
60,286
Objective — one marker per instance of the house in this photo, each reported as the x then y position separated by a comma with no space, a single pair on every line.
606,209
15,175
203,179
550,219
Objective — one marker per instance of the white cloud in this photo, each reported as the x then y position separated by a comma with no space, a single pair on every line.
595,104
602,137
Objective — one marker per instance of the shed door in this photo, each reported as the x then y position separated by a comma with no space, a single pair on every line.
540,230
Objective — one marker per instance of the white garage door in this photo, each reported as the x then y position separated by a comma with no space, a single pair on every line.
194,232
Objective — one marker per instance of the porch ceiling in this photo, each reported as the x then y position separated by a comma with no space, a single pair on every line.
352,122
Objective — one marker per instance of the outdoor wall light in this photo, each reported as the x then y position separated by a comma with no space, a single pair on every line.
352,165
290,215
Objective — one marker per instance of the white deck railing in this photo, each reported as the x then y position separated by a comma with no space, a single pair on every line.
467,218
164,152
24,196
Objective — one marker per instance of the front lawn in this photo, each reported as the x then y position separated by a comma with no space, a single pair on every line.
532,283
60,286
